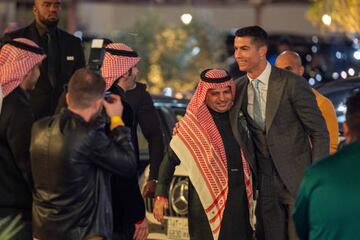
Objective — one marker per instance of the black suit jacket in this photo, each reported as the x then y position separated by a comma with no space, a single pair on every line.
70,57
292,117
146,116
16,120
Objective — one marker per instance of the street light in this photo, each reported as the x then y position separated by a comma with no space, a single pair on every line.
326,19
186,18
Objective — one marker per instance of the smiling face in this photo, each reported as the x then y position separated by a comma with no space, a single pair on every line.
47,12
220,99
250,57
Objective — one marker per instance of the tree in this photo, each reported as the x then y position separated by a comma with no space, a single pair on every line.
345,14
173,55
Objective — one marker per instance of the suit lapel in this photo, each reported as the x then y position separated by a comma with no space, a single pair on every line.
238,117
61,45
236,109
274,94
63,57
33,34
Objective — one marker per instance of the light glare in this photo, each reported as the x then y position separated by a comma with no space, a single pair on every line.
335,75
357,55
326,19
312,81
351,72
343,74
186,18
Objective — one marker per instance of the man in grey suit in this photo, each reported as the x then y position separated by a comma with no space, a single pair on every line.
281,112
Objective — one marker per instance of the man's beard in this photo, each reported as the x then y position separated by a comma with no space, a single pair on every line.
49,23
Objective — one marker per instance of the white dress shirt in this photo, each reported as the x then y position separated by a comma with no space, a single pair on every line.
263,86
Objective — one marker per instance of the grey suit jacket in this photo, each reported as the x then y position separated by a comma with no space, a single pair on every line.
292,117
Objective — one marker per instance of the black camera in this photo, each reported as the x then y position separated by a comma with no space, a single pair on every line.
107,96
96,56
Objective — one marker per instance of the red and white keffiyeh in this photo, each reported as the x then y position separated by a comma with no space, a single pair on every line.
199,146
118,60
17,58
1,98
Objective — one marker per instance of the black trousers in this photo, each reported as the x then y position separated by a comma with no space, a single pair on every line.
126,234
274,210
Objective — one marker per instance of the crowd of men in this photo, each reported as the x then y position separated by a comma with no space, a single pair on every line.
69,150
82,180
254,143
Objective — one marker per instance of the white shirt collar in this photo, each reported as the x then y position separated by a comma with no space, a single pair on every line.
264,76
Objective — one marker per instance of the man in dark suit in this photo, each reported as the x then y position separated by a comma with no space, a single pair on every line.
119,65
64,55
19,70
282,115
144,115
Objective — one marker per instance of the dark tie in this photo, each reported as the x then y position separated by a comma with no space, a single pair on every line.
257,103
51,57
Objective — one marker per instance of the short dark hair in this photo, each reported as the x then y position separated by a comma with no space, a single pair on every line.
259,35
85,87
353,114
